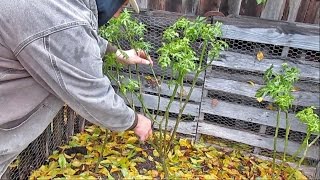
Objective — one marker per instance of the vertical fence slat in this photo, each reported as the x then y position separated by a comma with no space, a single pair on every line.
273,9
234,7
293,10
143,4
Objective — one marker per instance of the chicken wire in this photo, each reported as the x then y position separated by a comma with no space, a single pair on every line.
58,132
37,153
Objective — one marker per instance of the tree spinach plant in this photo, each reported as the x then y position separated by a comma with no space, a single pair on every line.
279,87
312,120
175,55
178,54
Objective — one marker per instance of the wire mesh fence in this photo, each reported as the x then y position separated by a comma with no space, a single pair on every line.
233,92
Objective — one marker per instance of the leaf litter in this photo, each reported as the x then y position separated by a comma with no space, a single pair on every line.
126,157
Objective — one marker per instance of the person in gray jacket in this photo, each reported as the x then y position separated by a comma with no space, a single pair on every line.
51,54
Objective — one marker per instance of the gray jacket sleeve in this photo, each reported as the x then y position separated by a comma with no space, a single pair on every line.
69,63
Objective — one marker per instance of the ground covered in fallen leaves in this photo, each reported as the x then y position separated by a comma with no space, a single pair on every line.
125,157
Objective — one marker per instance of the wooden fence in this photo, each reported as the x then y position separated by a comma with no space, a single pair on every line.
306,11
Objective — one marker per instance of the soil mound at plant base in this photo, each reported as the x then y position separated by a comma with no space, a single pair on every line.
125,157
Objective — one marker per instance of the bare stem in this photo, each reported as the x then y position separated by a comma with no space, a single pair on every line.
287,137
181,111
275,144
305,152
166,115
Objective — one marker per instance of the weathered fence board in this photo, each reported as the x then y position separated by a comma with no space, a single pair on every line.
165,88
293,10
271,36
245,89
245,62
250,114
257,78
273,9
151,102
185,127
253,139
270,32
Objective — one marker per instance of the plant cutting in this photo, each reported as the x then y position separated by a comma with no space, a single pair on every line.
279,87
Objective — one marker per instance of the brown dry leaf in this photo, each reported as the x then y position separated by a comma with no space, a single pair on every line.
153,173
214,102
271,107
295,89
260,56
183,93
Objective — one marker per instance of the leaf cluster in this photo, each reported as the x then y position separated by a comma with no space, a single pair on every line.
130,86
177,50
311,119
125,27
279,86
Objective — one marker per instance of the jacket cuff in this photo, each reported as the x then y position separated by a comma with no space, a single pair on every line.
111,48
135,122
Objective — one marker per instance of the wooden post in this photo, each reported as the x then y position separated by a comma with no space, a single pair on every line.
188,6
157,4
208,5
234,7
293,10
143,4
273,9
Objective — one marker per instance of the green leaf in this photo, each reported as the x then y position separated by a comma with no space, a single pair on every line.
124,172
62,161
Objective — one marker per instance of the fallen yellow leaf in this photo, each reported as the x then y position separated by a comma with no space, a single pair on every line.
155,153
150,158
185,143
260,56
114,169
76,163
260,99
132,140
252,83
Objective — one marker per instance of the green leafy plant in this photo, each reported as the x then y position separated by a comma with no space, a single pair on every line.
176,55
279,87
312,120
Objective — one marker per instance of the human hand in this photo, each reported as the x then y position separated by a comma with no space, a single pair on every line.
132,56
143,128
